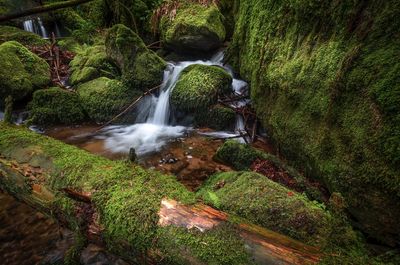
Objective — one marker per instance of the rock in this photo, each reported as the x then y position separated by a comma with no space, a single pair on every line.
141,68
217,118
132,154
198,88
8,33
55,106
104,98
266,203
21,71
195,28
91,63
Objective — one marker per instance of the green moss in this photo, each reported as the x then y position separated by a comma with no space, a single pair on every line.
324,84
195,27
217,118
223,246
198,88
142,69
266,203
90,63
55,106
104,98
8,33
21,71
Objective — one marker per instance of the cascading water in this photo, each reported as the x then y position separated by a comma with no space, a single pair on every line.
35,25
152,129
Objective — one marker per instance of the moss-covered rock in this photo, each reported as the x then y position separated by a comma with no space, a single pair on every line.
198,88
325,84
217,117
55,106
104,98
264,202
141,68
195,27
21,71
90,63
8,33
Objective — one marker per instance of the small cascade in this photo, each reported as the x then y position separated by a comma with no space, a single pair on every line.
153,123
35,25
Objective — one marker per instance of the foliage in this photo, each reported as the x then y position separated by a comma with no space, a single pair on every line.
8,33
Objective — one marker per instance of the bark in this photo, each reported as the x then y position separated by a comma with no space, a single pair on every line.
27,171
42,9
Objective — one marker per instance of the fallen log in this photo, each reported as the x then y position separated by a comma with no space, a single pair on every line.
42,9
141,215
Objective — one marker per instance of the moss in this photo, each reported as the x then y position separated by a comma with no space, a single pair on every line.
104,98
223,246
142,69
90,63
8,33
217,118
55,106
324,84
198,88
195,27
266,203
118,189
29,72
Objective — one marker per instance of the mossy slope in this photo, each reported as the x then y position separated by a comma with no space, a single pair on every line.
8,33
325,84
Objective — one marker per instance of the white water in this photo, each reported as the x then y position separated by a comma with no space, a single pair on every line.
35,25
152,129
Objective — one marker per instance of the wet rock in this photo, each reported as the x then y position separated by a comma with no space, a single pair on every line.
95,255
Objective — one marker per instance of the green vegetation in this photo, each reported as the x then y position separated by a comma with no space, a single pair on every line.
104,98
195,27
324,83
90,63
21,71
198,88
217,117
8,33
141,68
55,106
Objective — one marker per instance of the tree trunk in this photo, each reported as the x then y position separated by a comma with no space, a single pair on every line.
42,9
110,203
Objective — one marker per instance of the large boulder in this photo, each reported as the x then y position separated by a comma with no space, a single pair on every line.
254,197
55,106
90,63
21,71
198,88
141,68
195,27
9,33
104,98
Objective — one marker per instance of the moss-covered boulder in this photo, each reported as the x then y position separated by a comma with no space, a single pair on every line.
195,27
21,71
104,98
55,106
217,117
90,63
198,88
324,81
266,203
9,33
141,68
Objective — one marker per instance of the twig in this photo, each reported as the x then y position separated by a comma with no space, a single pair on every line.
129,107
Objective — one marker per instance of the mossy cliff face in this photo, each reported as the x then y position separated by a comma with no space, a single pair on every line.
21,71
142,69
55,106
195,27
104,98
325,82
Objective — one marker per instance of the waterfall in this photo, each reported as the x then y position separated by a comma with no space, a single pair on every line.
35,25
152,129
